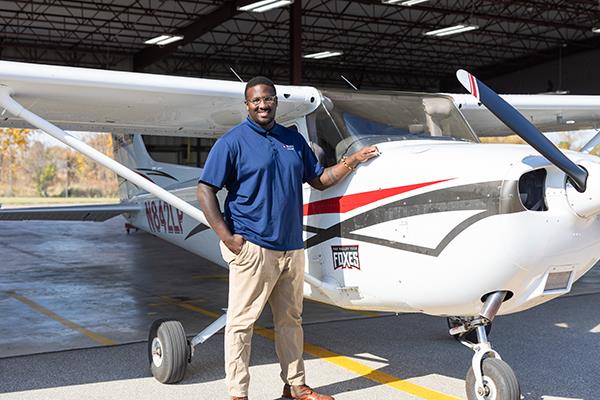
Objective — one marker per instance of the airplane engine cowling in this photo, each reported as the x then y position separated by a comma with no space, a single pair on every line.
586,204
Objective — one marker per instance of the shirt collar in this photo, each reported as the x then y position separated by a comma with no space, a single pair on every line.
259,129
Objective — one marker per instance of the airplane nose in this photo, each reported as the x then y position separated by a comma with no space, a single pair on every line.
583,183
586,204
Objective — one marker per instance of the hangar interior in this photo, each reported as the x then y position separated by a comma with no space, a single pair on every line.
382,45
179,150
516,46
95,291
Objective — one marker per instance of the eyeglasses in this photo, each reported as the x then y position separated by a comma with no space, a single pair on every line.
267,99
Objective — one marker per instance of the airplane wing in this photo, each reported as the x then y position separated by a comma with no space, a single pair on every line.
83,99
549,113
95,213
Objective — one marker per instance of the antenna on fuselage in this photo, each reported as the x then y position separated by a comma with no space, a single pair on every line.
236,74
348,82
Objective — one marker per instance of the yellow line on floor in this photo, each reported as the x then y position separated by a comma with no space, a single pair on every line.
375,375
69,324
191,307
341,361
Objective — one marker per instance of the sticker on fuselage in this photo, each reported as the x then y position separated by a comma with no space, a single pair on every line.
345,257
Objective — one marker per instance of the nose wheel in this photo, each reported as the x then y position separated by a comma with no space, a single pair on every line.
489,378
499,382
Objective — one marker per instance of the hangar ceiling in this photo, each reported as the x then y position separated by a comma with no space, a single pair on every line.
383,46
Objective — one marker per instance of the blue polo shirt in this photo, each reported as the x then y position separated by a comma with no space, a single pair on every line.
263,172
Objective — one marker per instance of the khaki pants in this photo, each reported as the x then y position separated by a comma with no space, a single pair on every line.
258,275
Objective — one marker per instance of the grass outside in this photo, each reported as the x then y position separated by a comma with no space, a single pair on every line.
44,201
511,139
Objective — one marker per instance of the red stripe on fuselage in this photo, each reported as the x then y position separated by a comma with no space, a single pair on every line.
347,203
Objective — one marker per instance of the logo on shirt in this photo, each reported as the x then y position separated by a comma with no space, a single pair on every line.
345,257
288,147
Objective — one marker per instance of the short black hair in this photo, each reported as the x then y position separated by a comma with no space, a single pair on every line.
259,80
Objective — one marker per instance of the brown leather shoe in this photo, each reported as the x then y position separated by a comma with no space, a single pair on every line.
287,392
239,398
303,392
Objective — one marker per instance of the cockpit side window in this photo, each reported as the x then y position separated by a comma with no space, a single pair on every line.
347,121
323,143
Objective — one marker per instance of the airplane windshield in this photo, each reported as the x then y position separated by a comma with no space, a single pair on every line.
347,121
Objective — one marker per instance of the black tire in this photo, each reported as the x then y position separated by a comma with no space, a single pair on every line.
152,334
498,377
470,336
171,360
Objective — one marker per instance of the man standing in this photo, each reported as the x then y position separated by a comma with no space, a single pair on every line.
263,165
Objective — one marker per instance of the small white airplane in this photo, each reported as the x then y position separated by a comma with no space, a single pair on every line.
438,224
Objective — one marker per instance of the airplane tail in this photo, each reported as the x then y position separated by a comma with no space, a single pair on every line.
130,151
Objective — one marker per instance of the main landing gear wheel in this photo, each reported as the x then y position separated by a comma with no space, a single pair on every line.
499,382
168,351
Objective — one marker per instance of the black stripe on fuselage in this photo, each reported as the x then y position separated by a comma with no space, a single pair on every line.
199,228
155,172
478,196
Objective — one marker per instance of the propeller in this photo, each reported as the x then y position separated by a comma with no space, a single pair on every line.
525,129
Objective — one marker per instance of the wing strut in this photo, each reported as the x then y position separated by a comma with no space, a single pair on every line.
20,112
12,106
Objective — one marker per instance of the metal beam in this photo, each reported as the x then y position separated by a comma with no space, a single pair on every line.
528,61
296,43
474,13
191,32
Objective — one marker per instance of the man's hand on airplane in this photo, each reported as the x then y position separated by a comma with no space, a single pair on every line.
339,171
364,154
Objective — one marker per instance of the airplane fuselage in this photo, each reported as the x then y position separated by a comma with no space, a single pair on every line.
429,226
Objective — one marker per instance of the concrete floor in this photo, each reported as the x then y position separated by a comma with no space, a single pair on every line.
110,283
77,300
